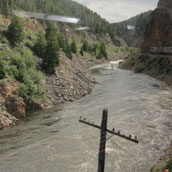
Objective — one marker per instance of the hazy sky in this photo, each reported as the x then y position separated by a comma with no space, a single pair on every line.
118,10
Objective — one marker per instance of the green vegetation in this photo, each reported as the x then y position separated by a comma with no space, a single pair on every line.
18,62
131,50
40,45
161,167
169,165
85,45
73,47
61,41
22,68
103,49
2,69
51,58
68,49
87,17
15,33
98,50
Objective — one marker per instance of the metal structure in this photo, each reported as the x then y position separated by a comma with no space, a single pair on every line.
82,28
161,50
43,16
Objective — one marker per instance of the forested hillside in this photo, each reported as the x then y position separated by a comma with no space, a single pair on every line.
44,63
59,7
133,38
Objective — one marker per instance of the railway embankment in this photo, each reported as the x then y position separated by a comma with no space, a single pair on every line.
158,66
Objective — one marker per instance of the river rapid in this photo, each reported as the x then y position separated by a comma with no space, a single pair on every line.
54,141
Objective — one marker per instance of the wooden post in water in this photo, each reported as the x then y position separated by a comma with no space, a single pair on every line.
101,163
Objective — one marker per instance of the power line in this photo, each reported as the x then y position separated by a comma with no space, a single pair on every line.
104,130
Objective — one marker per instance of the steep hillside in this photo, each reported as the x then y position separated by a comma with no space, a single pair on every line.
71,8
165,3
158,31
136,37
46,63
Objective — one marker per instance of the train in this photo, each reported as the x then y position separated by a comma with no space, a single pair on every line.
161,50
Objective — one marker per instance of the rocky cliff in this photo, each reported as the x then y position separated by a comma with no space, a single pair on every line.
165,3
158,31
133,38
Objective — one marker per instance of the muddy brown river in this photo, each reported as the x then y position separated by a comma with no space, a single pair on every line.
54,141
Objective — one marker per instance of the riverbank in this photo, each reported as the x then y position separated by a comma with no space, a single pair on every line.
162,163
70,82
159,67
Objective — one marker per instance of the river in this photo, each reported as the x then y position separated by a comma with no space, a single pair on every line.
54,141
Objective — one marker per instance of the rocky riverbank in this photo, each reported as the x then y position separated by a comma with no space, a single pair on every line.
70,82
161,164
157,66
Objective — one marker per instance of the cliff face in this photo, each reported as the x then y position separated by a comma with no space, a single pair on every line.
133,38
158,31
165,3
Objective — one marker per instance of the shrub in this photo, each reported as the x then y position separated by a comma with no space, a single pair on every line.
169,165
103,49
2,69
22,67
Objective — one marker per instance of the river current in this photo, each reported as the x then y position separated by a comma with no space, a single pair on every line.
54,141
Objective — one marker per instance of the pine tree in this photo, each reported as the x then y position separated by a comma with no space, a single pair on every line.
85,46
50,29
15,33
73,47
103,49
68,50
82,52
40,45
2,70
6,10
61,41
51,59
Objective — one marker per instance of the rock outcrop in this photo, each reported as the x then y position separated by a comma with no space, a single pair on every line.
7,120
158,31
165,3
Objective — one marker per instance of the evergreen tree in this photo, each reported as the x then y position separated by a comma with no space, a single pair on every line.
15,33
2,70
50,29
103,49
82,52
61,41
51,59
6,10
73,47
40,45
68,50
85,46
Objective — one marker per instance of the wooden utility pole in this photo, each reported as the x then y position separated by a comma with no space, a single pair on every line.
101,163
104,130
